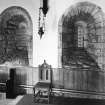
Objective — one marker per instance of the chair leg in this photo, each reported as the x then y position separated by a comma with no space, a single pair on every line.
51,97
34,95
48,96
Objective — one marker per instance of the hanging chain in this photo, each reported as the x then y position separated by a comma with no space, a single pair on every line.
41,19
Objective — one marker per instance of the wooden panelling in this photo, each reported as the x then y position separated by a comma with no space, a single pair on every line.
4,74
84,80
78,80
71,79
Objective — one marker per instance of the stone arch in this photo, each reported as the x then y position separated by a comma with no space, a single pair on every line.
16,35
91,18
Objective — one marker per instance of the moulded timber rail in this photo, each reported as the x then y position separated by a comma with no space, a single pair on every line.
63,91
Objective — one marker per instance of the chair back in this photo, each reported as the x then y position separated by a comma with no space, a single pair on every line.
45,73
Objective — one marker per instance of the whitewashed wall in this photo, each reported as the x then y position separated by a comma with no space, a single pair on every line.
47,47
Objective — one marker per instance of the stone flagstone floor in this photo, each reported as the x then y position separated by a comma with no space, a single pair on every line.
10,101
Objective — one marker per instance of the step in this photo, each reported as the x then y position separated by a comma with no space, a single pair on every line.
2,95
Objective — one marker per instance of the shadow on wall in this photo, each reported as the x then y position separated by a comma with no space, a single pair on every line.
15,35
80,34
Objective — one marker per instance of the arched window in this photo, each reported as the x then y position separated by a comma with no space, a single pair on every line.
46,74
80,37
81,29
41,74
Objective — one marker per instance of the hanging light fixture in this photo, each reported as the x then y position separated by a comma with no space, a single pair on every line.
42,15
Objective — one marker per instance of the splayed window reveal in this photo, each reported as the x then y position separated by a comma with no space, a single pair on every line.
16,36
81,37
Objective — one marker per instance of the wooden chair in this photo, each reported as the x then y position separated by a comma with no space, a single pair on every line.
42,89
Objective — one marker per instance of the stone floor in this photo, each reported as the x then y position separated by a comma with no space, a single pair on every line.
10,101
28,100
